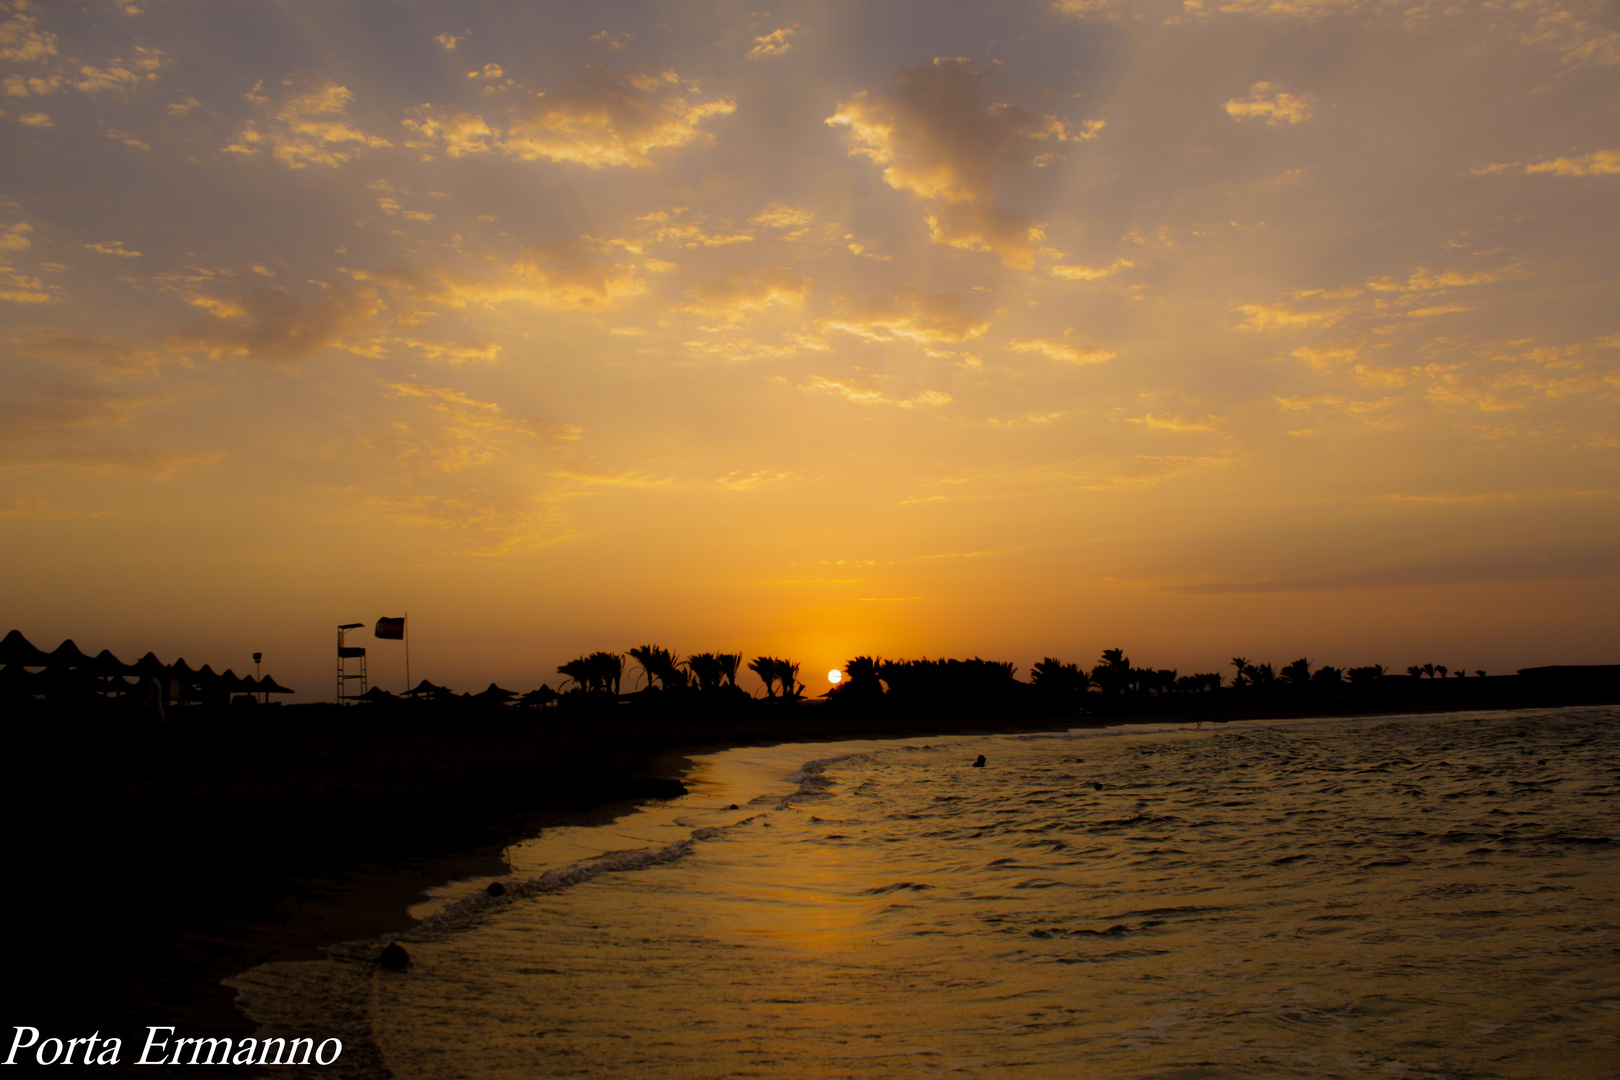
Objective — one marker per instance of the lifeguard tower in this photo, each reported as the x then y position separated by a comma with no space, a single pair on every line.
349,673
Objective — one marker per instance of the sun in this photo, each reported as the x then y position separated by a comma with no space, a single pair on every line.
835,676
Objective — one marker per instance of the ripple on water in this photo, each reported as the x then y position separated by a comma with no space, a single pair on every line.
1414,897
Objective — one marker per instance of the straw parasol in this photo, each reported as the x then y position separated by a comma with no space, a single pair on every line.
494,695
67,655
17,650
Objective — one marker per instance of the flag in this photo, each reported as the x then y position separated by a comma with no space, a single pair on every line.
390,628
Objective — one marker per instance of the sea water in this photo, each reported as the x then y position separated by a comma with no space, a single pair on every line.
1398,897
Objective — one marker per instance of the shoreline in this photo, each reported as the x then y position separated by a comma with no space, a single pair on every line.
198,918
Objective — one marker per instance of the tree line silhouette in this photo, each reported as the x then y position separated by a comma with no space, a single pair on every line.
662,683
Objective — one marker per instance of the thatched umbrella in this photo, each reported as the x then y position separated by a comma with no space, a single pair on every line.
149,667
427,689
238,684
109,672
67,655
16,650
541,697
377,693
267,685
494,695
107,666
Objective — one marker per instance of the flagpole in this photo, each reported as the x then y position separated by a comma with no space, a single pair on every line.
407,652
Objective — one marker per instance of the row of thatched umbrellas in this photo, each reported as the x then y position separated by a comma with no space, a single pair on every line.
491,695
106,673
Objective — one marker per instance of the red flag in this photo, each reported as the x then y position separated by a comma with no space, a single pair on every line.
390,628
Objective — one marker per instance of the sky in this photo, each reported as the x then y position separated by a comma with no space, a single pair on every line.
1204,328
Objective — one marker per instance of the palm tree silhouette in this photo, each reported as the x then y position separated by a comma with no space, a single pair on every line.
865,676
578,672
1298,673
1242,666
606,669
765,668
1415,671
1113,674
1056,677
706,668
729,663
659,663
1440,670
787,673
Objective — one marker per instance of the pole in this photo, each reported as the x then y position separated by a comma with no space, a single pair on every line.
407,652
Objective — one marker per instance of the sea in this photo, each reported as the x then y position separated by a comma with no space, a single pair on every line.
1401,897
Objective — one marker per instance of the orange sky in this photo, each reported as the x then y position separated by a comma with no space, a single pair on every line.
1259,327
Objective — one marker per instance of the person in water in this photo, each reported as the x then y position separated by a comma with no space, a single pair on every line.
980,763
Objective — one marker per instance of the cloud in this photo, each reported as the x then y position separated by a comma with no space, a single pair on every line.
49,430
607,118
606,41
120,74
781,216
1172,423
20,288
21,86
458,352
979,227
548,276
113,247
1279,316
1076,272
14,237
774,43
1579,31
272,324
494,521
1597,163
23,42
934,134
462,432
737,480
37,119
675,227
1424,280
115,357
749,291
59,407
459,133
1060,351
450,41
912,316
309,125
867,395
1267,101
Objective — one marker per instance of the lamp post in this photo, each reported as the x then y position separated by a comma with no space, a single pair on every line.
264,698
